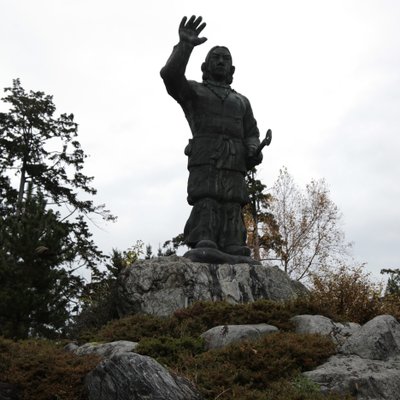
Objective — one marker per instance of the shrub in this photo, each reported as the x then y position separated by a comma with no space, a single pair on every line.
171,351
390,304
255,366
201,316
43,370
134,328
348,292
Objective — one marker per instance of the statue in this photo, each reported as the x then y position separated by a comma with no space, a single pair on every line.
225,145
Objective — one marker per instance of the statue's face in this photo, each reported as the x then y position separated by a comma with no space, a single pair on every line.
219,64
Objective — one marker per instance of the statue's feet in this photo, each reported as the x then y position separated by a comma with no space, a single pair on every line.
238,250
206,244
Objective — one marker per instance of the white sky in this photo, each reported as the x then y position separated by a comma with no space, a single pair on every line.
323,75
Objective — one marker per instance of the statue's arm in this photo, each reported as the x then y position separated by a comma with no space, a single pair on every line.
173,73
252,137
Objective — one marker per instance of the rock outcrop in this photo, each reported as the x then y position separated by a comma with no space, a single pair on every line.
163,285
368,363
338,332
364,378
223,335
106,350
378,339
131,376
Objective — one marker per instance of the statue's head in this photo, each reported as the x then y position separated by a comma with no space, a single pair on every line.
218,65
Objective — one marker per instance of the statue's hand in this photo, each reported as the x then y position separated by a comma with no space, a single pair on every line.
253,159
189,31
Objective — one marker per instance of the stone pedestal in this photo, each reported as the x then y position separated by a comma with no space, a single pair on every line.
163,285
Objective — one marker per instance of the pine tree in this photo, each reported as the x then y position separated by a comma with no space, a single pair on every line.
44,232
262,230
36,291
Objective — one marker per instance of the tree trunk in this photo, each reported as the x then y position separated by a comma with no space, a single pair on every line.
21,188
256,237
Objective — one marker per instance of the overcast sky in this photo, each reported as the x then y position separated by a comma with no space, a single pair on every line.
323,75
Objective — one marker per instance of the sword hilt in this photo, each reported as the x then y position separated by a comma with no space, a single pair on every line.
266,141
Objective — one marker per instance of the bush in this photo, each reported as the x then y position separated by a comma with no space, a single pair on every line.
348,292
171,351
43,370
255,366
259,370
133,327
390,304
203,315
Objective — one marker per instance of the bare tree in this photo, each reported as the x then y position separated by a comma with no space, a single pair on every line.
309,226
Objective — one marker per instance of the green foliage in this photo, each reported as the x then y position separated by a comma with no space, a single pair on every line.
393,284
255,366
44,233
201,316
264,369
390,303
269,368
36,292
42,149
171,351
170,247
131,255
262,230
43,370
98,300
134,327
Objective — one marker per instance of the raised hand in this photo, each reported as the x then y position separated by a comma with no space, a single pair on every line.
189,31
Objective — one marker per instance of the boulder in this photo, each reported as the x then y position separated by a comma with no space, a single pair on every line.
324,326
313,324
378,339
163,285
221,336
106,350
368,365
131,376
363,378
72,346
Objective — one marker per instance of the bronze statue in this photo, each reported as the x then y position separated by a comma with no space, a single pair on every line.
225,145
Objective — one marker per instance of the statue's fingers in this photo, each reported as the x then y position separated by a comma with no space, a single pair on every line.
182,24
202,40
197,21
200,28
191,20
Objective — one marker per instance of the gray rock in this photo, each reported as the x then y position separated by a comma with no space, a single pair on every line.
221,336
378,339
163,285
366,379
131,376
106,350
325,326
71,347
313,324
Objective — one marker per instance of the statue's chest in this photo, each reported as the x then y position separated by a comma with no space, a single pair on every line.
219,101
